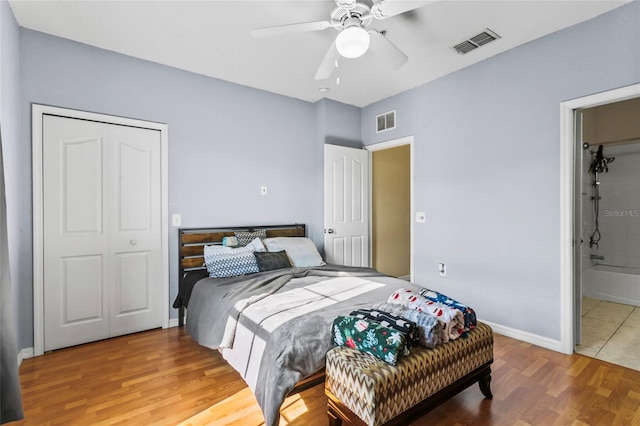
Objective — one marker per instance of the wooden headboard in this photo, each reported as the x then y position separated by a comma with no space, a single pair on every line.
192,241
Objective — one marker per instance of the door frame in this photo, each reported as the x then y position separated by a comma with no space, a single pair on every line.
407,140
37,113
568,152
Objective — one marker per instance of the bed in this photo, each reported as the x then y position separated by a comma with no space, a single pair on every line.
191,243
273,327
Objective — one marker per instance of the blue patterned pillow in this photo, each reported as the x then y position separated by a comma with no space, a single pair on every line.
231,263
245,237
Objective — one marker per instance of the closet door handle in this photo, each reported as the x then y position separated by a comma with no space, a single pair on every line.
133,242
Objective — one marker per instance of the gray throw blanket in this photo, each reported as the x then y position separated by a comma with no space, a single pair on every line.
294,350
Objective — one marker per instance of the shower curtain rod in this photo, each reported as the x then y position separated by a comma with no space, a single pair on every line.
616,142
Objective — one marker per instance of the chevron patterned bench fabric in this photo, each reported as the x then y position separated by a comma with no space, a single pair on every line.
377,392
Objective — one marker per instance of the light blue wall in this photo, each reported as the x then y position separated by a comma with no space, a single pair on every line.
486,154
13,151
225,140
487,165
336,124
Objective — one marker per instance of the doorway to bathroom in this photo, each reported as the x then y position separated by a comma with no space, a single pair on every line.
607,231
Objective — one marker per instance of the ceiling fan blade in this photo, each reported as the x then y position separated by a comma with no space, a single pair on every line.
380,45
388,8
328,64
290,29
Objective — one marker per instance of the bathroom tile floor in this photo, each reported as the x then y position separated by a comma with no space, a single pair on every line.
610,332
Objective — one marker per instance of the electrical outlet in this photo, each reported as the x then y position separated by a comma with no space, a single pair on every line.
263,190
421,217
176,220
442,268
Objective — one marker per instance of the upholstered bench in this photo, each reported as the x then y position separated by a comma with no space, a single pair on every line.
363,390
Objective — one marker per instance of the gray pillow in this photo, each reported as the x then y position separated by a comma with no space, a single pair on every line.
270,260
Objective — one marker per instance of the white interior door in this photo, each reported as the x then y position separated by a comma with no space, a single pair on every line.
346,205
101,230
134,228
76,246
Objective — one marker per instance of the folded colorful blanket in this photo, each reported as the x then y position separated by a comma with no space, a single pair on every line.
429,328
451,319
386,319
370,337
469,314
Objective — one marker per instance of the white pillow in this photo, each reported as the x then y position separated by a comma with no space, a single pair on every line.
256,245
217,249
301,251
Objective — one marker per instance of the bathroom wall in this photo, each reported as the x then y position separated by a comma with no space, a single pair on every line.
617,127
614,123
587,210
619,213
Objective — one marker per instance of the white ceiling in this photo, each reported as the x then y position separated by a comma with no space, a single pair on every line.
212,38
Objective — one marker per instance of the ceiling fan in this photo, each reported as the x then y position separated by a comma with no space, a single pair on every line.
351,19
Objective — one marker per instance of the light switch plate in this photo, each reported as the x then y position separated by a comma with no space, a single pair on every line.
176,219
442,269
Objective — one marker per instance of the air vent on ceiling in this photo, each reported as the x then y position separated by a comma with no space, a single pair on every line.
386,121
476,41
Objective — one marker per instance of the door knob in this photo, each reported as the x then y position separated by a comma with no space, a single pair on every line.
330,231
133,242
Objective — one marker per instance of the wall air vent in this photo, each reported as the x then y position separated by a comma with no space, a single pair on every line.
386,121
476,41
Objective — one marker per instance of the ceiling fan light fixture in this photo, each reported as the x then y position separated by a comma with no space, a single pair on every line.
353,42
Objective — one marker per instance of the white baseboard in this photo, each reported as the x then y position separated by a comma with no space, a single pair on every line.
173,322
28,352
534,339
24,354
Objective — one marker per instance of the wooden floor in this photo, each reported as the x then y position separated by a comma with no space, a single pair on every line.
162,377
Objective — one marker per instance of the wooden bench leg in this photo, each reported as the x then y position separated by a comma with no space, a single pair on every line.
334,419
485,385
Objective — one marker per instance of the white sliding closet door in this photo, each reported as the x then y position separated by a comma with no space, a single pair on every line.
102,230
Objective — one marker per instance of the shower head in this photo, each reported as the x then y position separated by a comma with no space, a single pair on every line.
600,162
